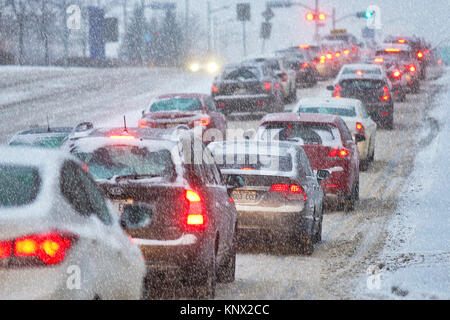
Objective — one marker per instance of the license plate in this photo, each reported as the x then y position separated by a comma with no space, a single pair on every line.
244,196
241,91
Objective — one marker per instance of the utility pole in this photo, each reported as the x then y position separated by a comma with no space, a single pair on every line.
244,38
209,26
125,15
186,15
333,17
316,13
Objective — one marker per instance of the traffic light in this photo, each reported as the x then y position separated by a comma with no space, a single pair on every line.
310,16
365,14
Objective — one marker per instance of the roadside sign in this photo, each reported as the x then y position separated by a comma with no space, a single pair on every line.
268,14
338,31
243,11
266,29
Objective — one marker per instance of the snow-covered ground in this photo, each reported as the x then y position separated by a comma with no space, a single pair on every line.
415,263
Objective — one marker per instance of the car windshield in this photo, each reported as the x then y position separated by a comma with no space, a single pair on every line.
19,185
121,160
176,104
245,73
342,112
304,133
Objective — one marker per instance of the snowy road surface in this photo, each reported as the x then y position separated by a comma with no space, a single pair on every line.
352,242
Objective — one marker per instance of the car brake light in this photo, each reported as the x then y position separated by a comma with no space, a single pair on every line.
204,122
360,127
215,89
329,56
401,40
346,52
379,60
397,74
267,86
291,192
304,46
50,248
284,77
420,54
341,153
412,68
5,249
122,137
386,95
337,91
145,124
322,59
305,65
338,54
195,214
392,50
359,73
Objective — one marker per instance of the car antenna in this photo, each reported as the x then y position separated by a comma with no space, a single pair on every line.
48,125
125,124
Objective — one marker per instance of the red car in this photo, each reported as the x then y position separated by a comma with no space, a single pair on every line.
328,144
188,109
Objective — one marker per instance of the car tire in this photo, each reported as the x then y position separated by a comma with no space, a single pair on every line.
207,290
364,165
350,200
226,273
318,235
306,245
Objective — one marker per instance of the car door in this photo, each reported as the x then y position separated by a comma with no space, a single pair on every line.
225,212
313,184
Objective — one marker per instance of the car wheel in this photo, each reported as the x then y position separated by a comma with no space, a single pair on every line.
227,272
207,290
306,246
350,201
318,235
364,165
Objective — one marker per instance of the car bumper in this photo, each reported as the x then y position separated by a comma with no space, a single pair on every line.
290,219
379,111
337,184
171,259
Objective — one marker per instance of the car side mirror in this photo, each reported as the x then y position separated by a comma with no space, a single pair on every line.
359,138
330,88
136,216
322,175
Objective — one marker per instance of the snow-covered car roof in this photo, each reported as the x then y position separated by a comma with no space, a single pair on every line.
41,158
336,102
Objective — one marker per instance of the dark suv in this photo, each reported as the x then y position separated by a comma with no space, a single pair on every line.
172,200
248,87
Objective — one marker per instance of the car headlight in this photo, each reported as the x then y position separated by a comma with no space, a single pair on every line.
194,67
212,67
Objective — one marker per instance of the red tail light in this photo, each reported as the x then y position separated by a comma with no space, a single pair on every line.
392,50
337,91
291,192
386,95
195,213
346,52
338,54
397,74
420,54
50,248
378,60
341,153
222,105
122,137
215,89
5,249
322,59
284,77
305,65
360,128
412,68
329,56
204,122
145,124
267,86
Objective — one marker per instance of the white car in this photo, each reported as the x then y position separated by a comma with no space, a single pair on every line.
355,116
59,237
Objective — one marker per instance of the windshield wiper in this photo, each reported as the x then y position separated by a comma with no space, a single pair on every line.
135,176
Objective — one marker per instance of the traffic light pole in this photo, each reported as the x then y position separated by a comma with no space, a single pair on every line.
316,14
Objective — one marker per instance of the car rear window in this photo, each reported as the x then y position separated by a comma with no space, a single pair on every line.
41,142
122,160
245,73
304,133
403,55
342,112
363,71
19,185
176,104
255,162
361,84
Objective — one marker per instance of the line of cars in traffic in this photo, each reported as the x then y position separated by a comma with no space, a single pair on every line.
124,209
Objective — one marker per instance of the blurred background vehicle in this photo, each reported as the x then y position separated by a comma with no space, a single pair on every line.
248,87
